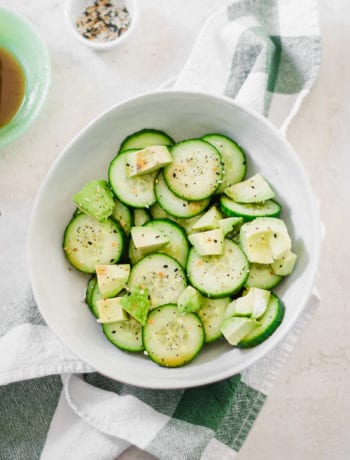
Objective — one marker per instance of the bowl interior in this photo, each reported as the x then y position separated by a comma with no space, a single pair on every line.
20,38
59,290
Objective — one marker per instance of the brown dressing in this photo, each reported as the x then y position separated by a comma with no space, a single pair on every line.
12,86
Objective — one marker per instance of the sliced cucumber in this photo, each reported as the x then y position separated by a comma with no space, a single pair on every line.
162,275
270,321
269,208
172,338
174,205
96,295
196,170
218,276
177,246
88,243
187,224
262,276
126,335
133,191
145,138
141,216
89,289
123,215
233,157
212,313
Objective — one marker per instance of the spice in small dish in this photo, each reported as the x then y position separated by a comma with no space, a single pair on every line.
103,21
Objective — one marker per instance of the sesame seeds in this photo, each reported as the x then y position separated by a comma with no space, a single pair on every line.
103,21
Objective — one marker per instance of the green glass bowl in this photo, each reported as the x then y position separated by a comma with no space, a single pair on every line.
18,36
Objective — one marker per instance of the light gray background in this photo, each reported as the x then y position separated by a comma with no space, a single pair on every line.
308,413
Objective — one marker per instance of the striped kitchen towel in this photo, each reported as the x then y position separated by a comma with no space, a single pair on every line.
265,53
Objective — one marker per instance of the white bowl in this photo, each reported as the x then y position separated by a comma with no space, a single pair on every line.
59,290
74,8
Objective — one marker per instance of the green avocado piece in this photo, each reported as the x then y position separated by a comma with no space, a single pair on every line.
137,303
95,199
189,300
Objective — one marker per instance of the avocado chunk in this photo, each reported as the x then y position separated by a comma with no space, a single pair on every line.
209,220
234,329
95,199
285,265
110,310
252,304
137,303
230,225
148,239
210,243
265,239
253,190
112,279
147,160
189,300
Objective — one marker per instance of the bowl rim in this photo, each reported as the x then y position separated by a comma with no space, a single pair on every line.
275,339
14,133
101,46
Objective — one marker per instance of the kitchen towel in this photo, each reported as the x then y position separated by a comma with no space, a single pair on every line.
265,53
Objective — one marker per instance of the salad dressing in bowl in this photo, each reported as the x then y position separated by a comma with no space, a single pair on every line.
12,86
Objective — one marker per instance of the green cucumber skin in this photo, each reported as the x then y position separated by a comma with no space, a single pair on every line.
274,324
89,289
95,296
231,213
268,281
124,144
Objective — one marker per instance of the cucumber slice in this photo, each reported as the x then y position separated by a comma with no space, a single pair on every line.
218,276
145,138
233,157
212,313
262,276
174,205
196,170
88,243
89,289
177,246
95,199
172,338
269,322
141,216
162,275
133,191
187,224
249,211
123,215
126,335
253,190
96,295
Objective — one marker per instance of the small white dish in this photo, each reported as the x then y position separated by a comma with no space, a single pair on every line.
74,8
59,289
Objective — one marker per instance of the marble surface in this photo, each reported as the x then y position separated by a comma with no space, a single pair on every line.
307,415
